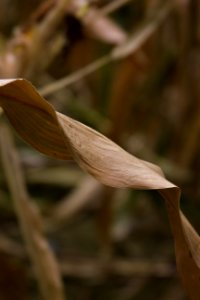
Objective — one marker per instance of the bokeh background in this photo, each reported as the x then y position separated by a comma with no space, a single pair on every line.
109,243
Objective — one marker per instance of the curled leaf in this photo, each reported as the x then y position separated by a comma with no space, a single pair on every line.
59,136
41,127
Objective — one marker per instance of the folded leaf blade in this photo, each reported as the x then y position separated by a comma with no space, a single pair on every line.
108,162
34,119
59,136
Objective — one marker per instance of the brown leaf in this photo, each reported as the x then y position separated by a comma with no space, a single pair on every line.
42,124
59,136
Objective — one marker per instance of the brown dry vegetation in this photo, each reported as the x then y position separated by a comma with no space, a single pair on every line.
130,70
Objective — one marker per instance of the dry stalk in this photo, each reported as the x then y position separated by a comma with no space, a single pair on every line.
73,203
46,267
24,53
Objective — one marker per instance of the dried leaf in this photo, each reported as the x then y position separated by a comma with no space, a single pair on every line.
59,136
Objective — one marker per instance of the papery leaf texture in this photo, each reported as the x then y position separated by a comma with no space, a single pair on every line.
59,136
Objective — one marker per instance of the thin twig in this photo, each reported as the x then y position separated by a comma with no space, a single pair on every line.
133,44
113,6
30,221
92,268
9,246
73,203
74,77
49,24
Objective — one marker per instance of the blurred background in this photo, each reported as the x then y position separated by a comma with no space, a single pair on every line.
131,70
